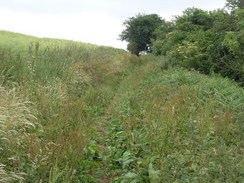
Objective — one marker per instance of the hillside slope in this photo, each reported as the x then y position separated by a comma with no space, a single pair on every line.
75,112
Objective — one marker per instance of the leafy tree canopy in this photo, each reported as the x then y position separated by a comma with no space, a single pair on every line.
233,4
139,32
208,41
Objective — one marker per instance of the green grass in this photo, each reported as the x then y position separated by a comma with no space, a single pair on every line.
75,112
188,125
64,85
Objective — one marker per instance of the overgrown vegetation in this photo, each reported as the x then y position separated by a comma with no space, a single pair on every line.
207,41
181,126
73,112
50,93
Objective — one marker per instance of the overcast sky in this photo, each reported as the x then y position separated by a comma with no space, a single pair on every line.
91,21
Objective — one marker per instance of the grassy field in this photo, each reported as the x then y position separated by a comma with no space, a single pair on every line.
75,112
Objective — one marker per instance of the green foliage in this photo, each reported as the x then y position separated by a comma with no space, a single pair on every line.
234,40
72,112
139,32
196,125
206,41
51,90
233,4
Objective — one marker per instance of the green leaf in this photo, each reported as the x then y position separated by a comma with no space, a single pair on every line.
130,175
127,163
154,175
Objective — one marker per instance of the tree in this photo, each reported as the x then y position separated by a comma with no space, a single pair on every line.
206,41
140,31
233,4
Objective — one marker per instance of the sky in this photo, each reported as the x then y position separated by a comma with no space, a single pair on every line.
91,21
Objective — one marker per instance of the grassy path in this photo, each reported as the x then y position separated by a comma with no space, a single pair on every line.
73,112
173,110
107,129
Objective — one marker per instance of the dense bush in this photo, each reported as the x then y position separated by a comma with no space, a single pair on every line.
206,41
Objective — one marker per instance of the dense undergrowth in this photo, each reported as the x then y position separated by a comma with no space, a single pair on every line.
73,112
185,125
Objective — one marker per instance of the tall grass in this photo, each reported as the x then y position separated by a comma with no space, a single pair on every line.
186,126
74,112
51,90
17,126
